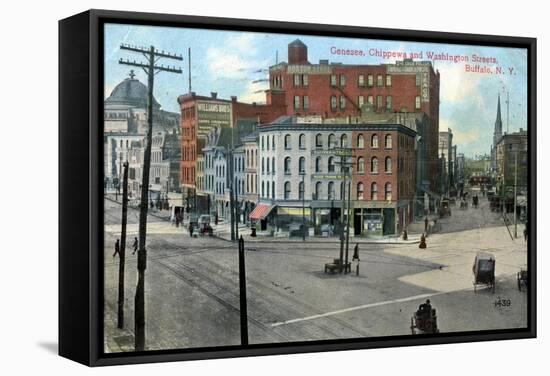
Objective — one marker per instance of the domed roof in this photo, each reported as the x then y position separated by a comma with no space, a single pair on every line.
130,92
296,43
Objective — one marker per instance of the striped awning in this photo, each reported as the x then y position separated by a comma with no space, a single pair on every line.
261,211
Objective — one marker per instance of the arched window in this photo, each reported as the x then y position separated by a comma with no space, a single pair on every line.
273,190
374,191
331,190
360,191
267,166
267,190
263,166
318,164
263,191
273,143
360,165
387,165
331,164
263,143
344,141
287,166
331,141
267,142
247,158
301,190
319,141
287,190
374,165
374,141
387,191
388,141
318,190
273,165
360,141
287,142
302,165
302,141
342,191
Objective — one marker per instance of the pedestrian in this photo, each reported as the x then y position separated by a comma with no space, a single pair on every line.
355,259
135,245
422,241
426,221
190,229
216,219
152,204
117,248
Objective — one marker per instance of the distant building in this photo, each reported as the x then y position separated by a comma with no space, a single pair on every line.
512,167
446,161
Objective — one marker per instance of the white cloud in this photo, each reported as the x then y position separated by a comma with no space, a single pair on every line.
224,64
254,92
458,86
243,43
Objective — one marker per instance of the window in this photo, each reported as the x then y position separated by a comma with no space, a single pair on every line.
360,191
360,165
417,79
305,102
374,141
333,103
287,190
302,165
331,141
378,101
287,166
387,165
342,102
273,190
331,164
301,190
374,191
379,80
417,102
342,191
389,103
263,167
374,165
388,80
344,141
296,80
302,141
361,80
342,80
318,189
296,102
360,101
287,142
331,195
262,143
370,80
370,99
319,141
318,164
273,142
267,190
267,142
387,191
360,141
263,191
333,80
305,80
388,141
273,165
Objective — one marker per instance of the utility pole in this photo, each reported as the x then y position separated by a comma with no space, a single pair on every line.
236,188
152,55
242,294
343,208
516,194
122,251
347,222
303,173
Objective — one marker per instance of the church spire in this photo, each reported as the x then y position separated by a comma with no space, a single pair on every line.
498,121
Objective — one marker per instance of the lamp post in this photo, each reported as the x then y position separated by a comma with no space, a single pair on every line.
303,193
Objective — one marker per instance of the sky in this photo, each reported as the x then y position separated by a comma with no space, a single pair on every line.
232,62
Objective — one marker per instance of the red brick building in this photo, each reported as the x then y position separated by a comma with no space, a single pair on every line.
383,178
333,90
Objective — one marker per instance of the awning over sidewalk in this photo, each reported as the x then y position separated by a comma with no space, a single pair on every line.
261,211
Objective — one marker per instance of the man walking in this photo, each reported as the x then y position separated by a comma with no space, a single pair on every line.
117,248
135,245
355,259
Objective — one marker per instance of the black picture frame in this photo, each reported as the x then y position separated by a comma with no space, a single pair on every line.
80,158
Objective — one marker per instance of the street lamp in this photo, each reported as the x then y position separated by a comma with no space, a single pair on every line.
302,192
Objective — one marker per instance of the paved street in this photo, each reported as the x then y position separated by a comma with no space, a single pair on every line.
192,289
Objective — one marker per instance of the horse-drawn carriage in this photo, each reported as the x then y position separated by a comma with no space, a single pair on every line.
484,270
424,320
